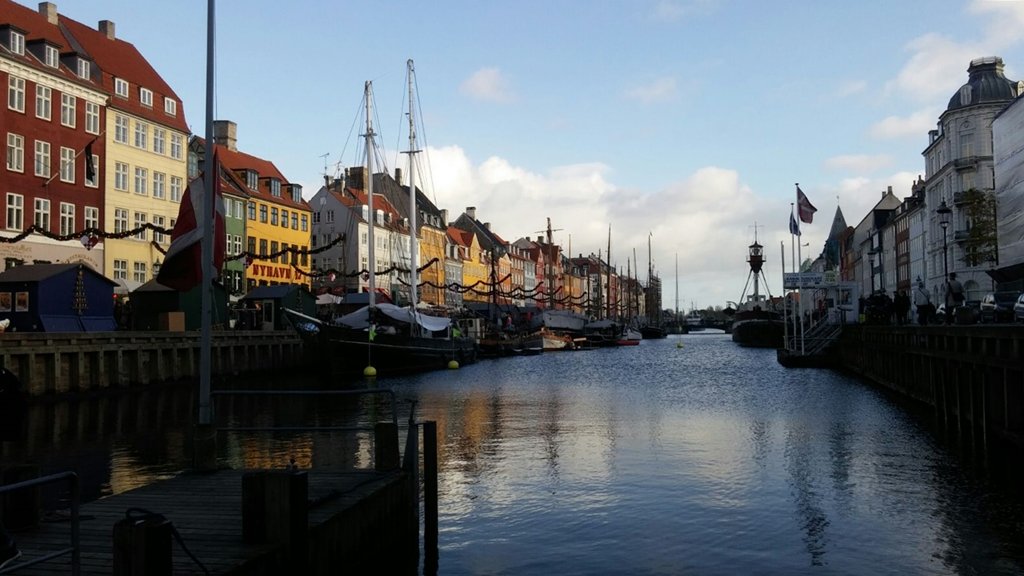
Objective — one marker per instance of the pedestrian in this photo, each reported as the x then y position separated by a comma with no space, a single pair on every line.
954,296
924,304
12,419
903,307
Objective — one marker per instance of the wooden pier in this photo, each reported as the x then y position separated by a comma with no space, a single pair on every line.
351,527
71,362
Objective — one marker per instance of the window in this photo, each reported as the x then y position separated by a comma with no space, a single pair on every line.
121,176
140,221
158,221
15,152
316,217
52,57
41,213
68,104
146,97
296,193
92,118
16,93
176,189
121,87
42,161
252,210
67,218
17,43
273,216
275,187
92,217
159,140
273,249
120,269
159,179
263,247
67,165
170,107
263,213
237,245
93,182
176,143
43,102
141,134
15,211
84,70
305,222
121,129
295,220
139,272
252,180
284,218
251,245
141,175
120,220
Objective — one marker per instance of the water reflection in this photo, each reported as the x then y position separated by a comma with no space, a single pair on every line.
709,459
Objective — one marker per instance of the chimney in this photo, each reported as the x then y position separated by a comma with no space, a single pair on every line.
398,176
354,177
540,239
106,27
471,212
49,10
444,218
487,225
225,133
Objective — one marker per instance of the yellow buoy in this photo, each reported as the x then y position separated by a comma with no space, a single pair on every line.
453,364
369,371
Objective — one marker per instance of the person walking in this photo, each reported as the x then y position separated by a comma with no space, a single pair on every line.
13,406
954,296
924,304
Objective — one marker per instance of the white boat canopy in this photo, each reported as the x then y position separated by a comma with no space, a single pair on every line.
360,319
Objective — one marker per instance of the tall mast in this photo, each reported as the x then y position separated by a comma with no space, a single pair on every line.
677,288
413,256
609,264
368,185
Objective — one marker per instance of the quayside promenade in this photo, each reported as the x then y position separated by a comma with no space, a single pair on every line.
972,376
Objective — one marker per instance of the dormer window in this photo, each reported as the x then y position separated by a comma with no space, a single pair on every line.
296,190
52,57
170,107
121,87
146,97
83,69
17,43
252,179
275,187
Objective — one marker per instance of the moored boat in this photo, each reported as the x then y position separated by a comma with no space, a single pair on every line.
756,323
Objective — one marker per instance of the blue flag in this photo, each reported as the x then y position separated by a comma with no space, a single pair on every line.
794,226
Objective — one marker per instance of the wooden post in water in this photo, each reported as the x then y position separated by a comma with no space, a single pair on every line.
142,547
430,552
275,509
385,448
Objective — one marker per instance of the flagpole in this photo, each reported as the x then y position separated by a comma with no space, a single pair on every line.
785,323
792,256
205,338
799,265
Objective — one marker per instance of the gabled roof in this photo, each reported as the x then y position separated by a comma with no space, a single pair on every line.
35,27
460,236
488,240
357,199
237,162
119,59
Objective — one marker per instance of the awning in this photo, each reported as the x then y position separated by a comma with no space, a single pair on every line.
125,286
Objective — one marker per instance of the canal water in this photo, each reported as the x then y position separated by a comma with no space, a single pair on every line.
688,455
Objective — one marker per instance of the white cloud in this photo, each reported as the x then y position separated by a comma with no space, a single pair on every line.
851,87
861,163
660,90
488,84
914,126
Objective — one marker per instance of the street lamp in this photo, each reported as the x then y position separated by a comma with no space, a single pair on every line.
943,212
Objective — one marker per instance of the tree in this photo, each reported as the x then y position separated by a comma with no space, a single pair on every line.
981,244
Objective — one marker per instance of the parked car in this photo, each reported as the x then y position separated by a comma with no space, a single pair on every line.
997,307
1018,308
966,313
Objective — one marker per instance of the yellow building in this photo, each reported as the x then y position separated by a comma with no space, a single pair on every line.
474,269
277,223
145,137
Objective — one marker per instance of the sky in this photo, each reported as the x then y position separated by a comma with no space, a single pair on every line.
683,125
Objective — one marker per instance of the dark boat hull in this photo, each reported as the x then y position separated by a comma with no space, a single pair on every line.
349,351
652,332
758,332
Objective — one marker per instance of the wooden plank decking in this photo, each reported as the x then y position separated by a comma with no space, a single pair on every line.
206,510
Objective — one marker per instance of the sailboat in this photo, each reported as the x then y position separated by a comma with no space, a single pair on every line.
756,323
382,338
652,328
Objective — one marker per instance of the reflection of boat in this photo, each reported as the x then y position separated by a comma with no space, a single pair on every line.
755,322
383,336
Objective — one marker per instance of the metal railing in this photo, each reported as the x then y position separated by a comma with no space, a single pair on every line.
75,549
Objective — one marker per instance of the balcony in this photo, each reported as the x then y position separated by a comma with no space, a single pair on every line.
961,235
959,198
965,163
